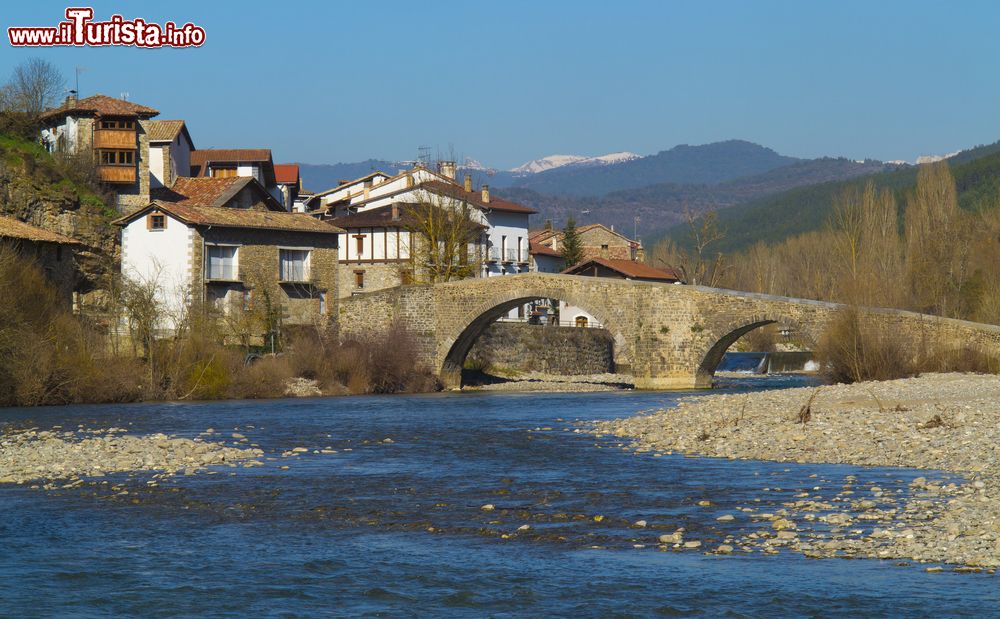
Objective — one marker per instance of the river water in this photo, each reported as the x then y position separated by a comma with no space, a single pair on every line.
396,528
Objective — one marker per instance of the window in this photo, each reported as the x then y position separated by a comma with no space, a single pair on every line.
581,321
294,265
221,262
118,124
156,221
223,171
117,157
322,303
360,245
359,279
247,300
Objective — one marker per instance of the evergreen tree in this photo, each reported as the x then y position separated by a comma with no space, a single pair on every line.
572,251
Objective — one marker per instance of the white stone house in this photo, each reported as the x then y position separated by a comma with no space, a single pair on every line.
199,239
505,238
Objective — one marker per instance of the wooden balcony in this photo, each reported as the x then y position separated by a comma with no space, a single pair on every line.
116,173
115,138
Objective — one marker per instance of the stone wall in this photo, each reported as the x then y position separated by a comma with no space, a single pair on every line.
257,261
536,348
377,276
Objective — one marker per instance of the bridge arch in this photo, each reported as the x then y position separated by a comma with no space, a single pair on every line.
720,339
456,345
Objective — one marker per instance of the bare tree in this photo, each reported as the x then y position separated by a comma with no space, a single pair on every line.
446,237
704,232
34,86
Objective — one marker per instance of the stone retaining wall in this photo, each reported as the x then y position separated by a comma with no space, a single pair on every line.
522,347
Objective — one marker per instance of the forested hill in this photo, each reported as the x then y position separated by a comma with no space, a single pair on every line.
661,206
776,217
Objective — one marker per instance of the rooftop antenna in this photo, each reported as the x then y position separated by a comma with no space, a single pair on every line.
79,70
425,156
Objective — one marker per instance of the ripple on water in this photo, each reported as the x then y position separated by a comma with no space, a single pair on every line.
350,530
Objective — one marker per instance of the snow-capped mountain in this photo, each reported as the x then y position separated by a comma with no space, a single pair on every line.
934,158
560,161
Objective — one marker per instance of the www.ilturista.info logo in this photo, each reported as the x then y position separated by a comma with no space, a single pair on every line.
79,29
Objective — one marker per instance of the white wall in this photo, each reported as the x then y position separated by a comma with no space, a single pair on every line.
163,257
156,167
513,226
378,244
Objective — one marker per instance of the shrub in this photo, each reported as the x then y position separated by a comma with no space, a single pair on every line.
856,348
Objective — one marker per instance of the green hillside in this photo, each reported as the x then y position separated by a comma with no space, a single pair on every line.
776,217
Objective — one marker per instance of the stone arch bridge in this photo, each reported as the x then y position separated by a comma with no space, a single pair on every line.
667,336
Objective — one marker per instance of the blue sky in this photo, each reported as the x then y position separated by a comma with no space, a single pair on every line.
505,82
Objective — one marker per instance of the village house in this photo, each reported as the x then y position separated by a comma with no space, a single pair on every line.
115,133
280,180
370,246
596,241
170,147
226,242
51,251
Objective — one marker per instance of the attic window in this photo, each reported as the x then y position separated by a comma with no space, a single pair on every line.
156,221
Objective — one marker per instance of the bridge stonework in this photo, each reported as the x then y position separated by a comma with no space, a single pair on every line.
666,336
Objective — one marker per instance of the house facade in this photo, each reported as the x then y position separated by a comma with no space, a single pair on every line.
500,248
596,241
227,243
115,133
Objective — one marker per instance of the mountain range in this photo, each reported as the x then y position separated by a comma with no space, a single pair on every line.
617,189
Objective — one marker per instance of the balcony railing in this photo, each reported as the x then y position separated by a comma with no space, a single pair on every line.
115,138
494,255
116,173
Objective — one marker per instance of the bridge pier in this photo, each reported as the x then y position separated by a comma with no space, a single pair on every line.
673,382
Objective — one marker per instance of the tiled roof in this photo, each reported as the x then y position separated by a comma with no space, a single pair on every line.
628,268
16,229
165,130
104,106
475,197
229,155
380,217
236,218
539,249
286,173
202,191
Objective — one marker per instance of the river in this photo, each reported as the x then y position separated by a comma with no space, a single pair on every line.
396,528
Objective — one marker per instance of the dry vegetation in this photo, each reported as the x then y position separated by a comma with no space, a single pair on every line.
929,256
50,356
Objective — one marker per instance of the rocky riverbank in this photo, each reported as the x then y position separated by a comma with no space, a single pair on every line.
538,381
942,422
54,458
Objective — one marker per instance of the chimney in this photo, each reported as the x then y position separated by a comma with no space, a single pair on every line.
468,182
447,169
486,194
70,101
